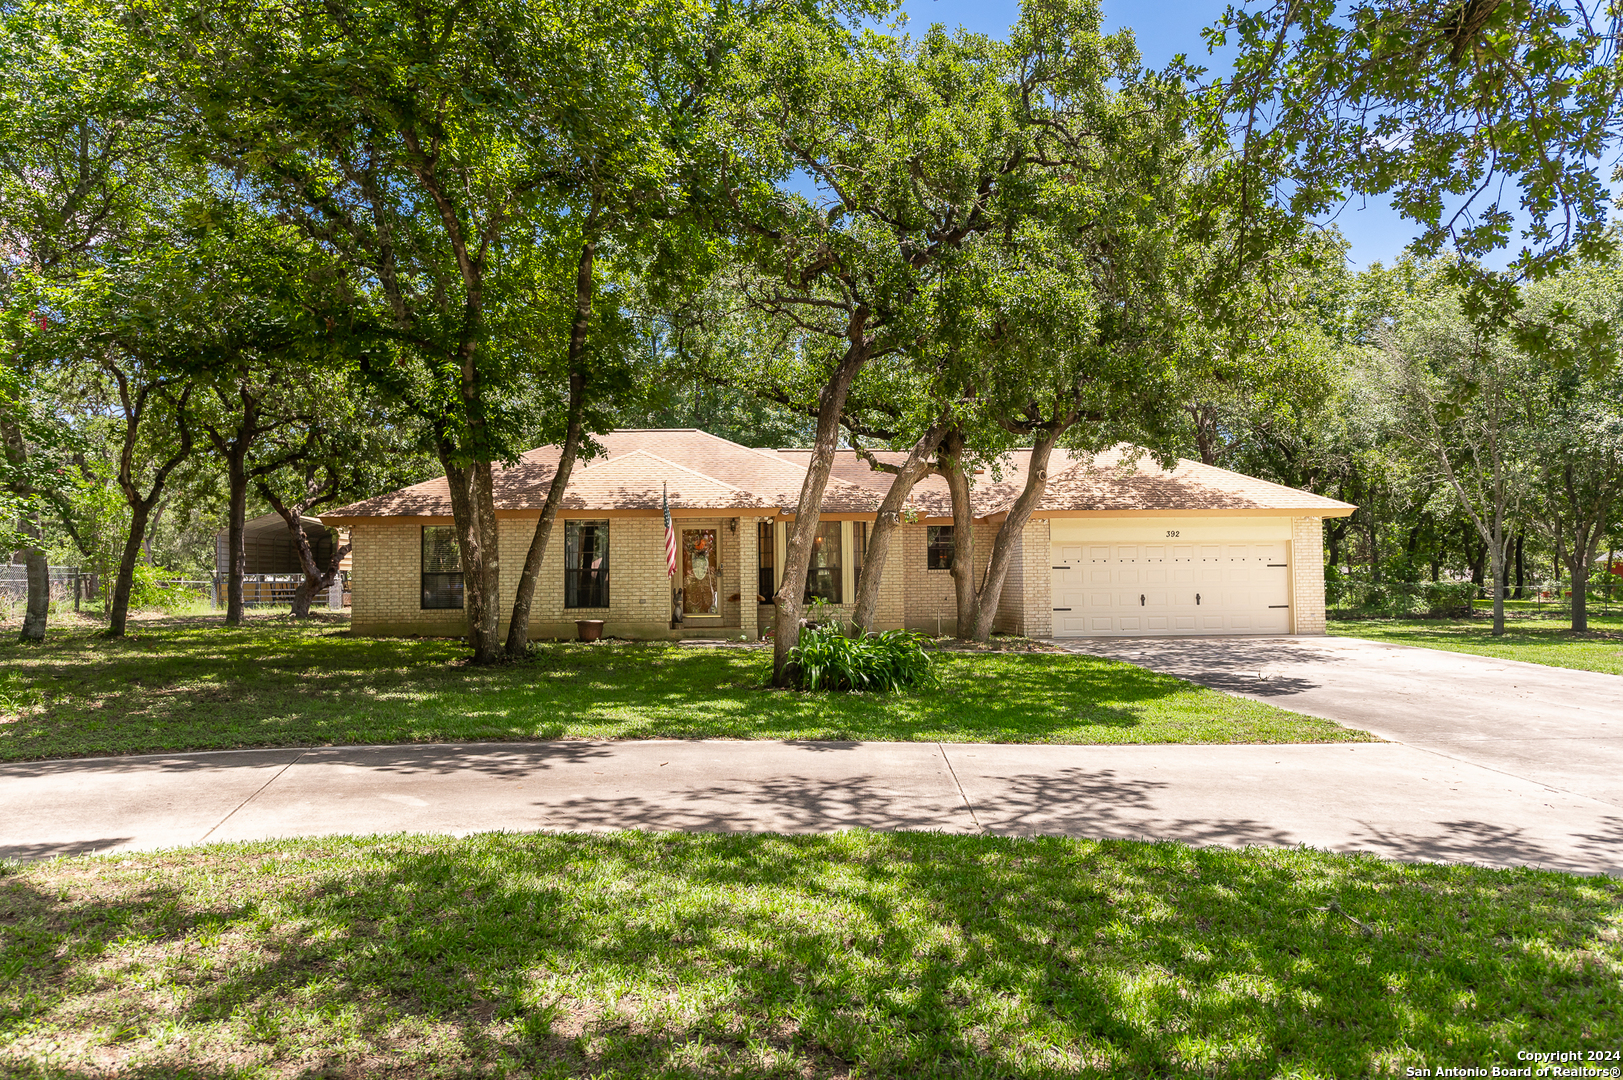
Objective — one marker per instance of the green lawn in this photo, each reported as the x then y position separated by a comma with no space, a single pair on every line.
855,954
194,684
1535,639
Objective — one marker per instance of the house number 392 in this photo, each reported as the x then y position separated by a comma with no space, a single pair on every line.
1172,532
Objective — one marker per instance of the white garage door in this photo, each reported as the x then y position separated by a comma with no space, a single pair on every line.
1116,589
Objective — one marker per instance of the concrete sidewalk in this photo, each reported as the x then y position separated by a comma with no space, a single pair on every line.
1390,799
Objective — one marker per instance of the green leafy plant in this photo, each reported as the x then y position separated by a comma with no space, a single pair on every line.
894,660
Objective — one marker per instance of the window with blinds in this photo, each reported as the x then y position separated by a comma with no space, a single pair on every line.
442,568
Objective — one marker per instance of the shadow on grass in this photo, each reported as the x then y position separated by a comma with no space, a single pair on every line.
195,685
906,955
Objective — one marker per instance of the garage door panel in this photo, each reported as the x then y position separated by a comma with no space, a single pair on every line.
1232,587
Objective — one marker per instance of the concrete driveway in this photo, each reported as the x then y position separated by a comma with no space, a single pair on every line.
1554,726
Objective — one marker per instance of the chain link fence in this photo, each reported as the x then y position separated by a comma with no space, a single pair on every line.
74,589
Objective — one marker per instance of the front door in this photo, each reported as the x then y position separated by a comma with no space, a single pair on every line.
701,574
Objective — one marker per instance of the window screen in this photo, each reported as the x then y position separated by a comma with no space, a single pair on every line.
823,575
938,548
442,568
586,564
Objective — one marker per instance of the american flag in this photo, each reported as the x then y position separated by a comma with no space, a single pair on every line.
670,535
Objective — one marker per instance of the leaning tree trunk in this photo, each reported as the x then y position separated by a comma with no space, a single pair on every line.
118,612
315,579
797,552
518,627
886,522
1014,522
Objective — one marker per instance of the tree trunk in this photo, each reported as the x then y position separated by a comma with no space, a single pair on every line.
315,578
1521,568
140,505
886,522
236,552
38,611
963,535
518,627
118,613
1580,597
1496,557
798,549
474,510
1014,522
1374,542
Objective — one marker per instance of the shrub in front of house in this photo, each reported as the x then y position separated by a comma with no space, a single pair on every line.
827,659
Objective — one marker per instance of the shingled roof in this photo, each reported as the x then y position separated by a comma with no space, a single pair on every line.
1121,479
703,471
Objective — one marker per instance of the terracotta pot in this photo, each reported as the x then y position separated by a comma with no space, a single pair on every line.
590,629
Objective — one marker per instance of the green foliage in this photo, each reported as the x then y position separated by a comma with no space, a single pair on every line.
888,662
16,694
1531,635
881,955
154,589
186,685
1443,105
1356,594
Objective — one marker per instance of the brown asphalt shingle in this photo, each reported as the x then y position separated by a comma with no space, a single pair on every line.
707,472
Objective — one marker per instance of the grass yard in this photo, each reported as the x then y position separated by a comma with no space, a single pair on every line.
1533,638
195,684
856,954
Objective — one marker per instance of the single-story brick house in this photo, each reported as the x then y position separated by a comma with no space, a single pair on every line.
1114,549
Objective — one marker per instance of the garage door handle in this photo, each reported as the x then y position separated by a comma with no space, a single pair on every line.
1060,568
1272,606
1062,609
1140,599
1280,565
1197,599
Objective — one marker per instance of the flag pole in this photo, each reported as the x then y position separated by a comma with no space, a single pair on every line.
670,556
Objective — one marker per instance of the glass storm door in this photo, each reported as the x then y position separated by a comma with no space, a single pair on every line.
701,573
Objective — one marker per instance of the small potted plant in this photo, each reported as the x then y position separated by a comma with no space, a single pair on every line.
589,629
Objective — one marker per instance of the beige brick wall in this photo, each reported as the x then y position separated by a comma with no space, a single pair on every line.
1307,575
387,593
385,586
929,603
387,598
1026,606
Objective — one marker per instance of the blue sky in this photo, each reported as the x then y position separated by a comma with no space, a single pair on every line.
1163,30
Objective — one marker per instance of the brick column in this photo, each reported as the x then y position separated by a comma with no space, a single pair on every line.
1307,575
749,564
